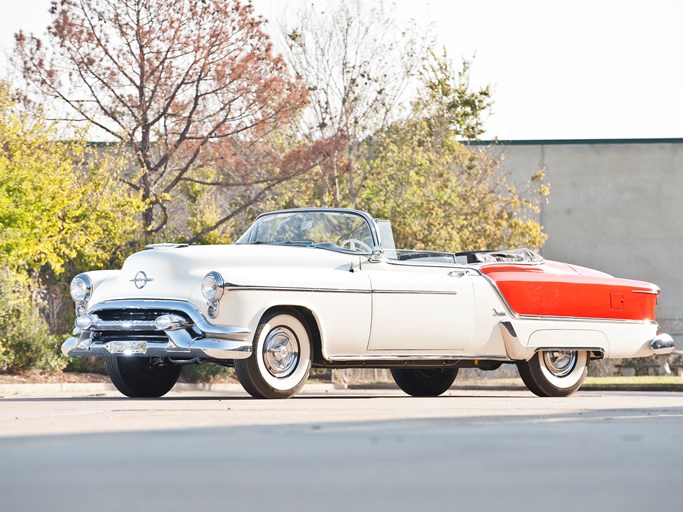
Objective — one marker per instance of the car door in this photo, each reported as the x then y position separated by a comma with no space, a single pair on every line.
417,308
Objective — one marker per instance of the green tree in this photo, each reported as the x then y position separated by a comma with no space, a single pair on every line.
446,97
59,200
440,193
60,208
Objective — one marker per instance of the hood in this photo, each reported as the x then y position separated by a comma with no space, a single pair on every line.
177,272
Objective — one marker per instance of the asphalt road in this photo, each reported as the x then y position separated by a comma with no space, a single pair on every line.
343,451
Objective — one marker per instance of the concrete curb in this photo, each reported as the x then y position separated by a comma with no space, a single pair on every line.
522,387
56,388
95,388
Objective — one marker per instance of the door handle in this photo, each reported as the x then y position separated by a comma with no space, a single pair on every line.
457,273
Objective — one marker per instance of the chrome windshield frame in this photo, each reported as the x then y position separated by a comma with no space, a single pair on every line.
374,232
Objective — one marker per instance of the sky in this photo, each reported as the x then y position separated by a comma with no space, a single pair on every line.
580,69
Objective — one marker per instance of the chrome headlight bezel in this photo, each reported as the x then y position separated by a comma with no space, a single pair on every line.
81,288
212,287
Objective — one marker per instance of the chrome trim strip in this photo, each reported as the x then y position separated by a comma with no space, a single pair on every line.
165,245
434,264
647,292
571,349
415,292
407,358
586,319
237,287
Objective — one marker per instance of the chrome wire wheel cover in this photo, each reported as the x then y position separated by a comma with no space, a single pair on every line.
560,363
281,352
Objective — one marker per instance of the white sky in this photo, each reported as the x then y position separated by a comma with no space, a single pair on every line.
575,69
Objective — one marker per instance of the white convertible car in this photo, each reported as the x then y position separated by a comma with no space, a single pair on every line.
309,288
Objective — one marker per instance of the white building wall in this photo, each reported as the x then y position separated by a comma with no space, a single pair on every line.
616,206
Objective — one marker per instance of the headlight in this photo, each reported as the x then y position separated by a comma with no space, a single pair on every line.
81,288
212,286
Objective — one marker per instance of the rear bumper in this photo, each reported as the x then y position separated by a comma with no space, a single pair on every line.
613,339
195,338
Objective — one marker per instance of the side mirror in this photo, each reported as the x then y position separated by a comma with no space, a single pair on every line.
377,255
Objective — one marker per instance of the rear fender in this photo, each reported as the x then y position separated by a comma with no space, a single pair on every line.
520,349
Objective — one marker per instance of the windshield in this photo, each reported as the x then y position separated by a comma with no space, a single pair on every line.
335,230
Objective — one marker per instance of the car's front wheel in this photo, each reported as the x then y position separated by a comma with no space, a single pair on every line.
142,377
281,357
424,382
554,372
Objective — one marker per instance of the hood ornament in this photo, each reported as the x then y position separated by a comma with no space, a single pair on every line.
140,280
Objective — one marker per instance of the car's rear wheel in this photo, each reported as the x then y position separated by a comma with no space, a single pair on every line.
554,372
424,381
281,357
142,377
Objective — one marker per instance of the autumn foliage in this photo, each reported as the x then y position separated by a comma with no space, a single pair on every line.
185,85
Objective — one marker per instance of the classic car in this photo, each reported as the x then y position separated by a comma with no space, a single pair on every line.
327,288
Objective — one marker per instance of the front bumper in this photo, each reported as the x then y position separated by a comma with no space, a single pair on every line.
134,332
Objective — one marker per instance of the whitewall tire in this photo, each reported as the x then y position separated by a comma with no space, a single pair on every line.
281,357
554,373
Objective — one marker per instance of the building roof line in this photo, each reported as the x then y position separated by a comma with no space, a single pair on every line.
566,142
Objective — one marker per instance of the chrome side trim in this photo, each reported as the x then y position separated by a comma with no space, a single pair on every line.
647,292
408,358
415,292
587,319
662,344
237,287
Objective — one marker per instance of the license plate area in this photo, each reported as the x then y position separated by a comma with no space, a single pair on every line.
127,347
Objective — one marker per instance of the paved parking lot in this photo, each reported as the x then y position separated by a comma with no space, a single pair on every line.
342,450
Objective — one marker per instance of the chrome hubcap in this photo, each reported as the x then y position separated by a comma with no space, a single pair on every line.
560,362
281,352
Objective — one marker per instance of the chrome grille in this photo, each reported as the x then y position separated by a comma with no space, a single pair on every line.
151,336
120,331
135,315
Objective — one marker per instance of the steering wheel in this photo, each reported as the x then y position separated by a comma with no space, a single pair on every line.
352,243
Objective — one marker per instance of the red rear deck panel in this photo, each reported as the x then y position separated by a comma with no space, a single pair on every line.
558,290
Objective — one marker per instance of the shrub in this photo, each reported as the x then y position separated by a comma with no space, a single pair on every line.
25,338
206,372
